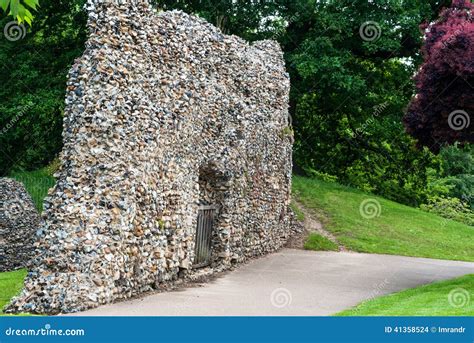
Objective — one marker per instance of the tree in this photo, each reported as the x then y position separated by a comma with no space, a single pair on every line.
251,20
351,63
20,10
33,76
442,110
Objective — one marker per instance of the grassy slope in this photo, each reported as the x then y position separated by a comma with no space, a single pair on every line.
314,241
317,242
399,230
11,284
429,300
36,183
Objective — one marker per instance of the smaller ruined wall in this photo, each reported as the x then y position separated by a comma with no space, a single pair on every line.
19,221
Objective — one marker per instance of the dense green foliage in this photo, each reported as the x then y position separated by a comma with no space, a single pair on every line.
451,187
351,64
457,173
350,93
33,76
450,208
242,18
367,223
429,300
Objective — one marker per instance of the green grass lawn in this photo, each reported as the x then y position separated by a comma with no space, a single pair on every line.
397,230
317,242
445,298
36,183
11,284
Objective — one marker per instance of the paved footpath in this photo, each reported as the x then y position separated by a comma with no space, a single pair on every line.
293,282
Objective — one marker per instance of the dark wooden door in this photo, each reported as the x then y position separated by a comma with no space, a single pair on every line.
203,244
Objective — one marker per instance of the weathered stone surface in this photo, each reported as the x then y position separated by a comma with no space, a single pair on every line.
164,113
19,221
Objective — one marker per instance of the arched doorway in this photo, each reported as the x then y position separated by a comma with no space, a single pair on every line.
212,187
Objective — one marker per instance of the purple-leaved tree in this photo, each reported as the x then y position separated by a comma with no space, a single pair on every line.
442,111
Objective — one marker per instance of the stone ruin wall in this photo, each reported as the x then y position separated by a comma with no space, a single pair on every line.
163,113
19,221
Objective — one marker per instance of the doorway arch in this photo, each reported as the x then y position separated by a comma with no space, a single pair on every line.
209,243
